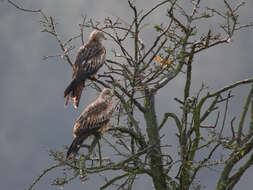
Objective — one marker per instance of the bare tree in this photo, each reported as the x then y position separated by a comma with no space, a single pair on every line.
136,80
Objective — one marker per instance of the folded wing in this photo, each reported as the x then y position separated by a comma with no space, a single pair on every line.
94,119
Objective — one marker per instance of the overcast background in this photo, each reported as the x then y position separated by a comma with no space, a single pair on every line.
32,116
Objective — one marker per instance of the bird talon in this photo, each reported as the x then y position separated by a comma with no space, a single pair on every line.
93,77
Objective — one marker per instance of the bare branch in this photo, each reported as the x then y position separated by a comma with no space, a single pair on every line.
244,112
174,116
151,10
44,173
225,115
113,180
231,86
137,137
23,9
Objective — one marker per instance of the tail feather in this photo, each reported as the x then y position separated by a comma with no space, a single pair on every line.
77,95
71,87
77,142
76,81
75,146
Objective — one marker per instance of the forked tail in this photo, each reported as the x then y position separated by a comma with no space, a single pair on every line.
71,87
75,146
75,82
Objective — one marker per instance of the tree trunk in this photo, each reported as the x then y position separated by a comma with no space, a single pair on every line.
156,164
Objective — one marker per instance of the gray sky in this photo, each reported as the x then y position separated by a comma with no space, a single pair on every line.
32,116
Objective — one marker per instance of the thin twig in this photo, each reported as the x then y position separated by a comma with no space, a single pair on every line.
44,173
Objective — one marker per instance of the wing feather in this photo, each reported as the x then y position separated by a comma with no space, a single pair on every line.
96,115
90,58
88,54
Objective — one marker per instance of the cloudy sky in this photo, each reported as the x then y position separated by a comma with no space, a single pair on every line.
32,116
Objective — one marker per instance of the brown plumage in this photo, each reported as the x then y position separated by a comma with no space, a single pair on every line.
90,58
94,119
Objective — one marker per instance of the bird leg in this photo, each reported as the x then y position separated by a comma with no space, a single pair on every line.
93,77
99,154
98,135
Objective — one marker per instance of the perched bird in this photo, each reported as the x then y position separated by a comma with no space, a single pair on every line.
95,119
90,58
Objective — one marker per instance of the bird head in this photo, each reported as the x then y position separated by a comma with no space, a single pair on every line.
97,35
106,94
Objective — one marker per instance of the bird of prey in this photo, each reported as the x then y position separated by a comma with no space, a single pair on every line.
94,120
90,58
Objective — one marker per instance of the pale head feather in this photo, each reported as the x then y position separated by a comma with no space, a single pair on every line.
97,35
106,94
